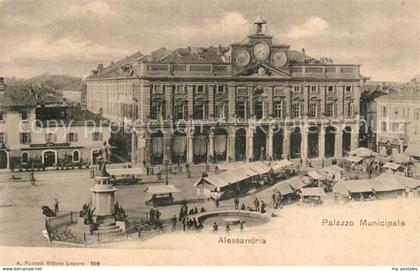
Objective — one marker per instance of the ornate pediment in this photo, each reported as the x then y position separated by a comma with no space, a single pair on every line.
262,70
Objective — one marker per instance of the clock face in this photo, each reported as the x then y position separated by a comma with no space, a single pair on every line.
279,59
242,58
261,51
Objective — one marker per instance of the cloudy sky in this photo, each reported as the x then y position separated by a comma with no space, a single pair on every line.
72,37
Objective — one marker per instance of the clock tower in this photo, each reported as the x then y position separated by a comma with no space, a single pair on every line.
259,50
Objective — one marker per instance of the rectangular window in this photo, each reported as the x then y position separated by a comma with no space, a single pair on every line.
278,109
72,137
220,110
296,112
50,138
25,138
313,110
330,110
330,88
158,89
24,115
241,109
220,89
383,126
180,111
297,88
179,89
348,88
97,136
1,116
157,111
3,138
384,111
314,88
200,89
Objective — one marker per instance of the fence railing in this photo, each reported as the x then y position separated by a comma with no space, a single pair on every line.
61,220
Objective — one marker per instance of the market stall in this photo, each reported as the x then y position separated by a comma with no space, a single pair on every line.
160,195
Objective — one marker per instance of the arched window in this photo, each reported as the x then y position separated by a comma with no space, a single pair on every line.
25,157
180,110
278,108
349,108
220,109
200,109
331,108
297,109
76,156
158,109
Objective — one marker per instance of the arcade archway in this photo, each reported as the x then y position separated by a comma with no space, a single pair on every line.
220,143
259,143
200,142
346,139
240,144
278,137
157,148
330,132
179,147
313,138
295,141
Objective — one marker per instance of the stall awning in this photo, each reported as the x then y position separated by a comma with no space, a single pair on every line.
383,185
405,181
296,183
314,175
227,178
161,189
354,159
390,165
413,149
125,171
340,188
363,152
282,164
284,188
358,186
333,169
313,192
258,167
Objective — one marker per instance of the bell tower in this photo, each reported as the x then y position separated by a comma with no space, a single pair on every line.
260,25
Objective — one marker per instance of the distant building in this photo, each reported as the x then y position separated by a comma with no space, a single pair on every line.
236,93
398,123
29,129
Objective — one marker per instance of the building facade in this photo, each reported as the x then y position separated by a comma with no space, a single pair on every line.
253,100
32,132
398,124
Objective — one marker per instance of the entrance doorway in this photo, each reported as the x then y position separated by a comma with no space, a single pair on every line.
3,159
295,141
240,145
313,137
259,144
346,140
330,132
277,143
50,158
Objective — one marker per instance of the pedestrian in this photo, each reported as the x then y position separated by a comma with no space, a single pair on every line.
227,229
263,207
139,231
257,204
187,169
184,224
241,225
194,224
273,199
56,202
174,219
204,174
217,203
243,207
215,227
236,201
323,163
152,216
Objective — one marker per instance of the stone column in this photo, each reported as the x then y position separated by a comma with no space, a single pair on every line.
305,100
338,153
134,149
354,137
190,95
269,145
251,101
211,101
304,143
286,142
321,143
340,100
322,102
231,101
230,147
270,101
169,94
190,150
148,149
210,148
250,143
167,144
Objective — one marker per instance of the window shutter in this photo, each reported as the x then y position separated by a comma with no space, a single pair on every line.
76,139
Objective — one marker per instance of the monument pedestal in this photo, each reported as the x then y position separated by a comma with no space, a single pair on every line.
103,195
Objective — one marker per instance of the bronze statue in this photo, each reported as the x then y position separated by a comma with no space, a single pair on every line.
102,160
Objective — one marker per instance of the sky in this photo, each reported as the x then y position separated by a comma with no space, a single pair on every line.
72,37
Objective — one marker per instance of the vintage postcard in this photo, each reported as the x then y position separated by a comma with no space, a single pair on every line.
197,133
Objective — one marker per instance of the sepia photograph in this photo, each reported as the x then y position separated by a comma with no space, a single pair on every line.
209,133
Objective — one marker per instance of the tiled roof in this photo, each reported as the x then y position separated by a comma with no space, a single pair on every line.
407,96
69,115
17,97
114,69
190,55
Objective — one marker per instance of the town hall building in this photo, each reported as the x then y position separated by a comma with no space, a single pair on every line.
254,99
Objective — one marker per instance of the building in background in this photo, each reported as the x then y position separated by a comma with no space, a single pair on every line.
33,129
227,98
398,123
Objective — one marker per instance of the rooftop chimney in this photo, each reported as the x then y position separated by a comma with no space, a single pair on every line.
303,51
100,68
